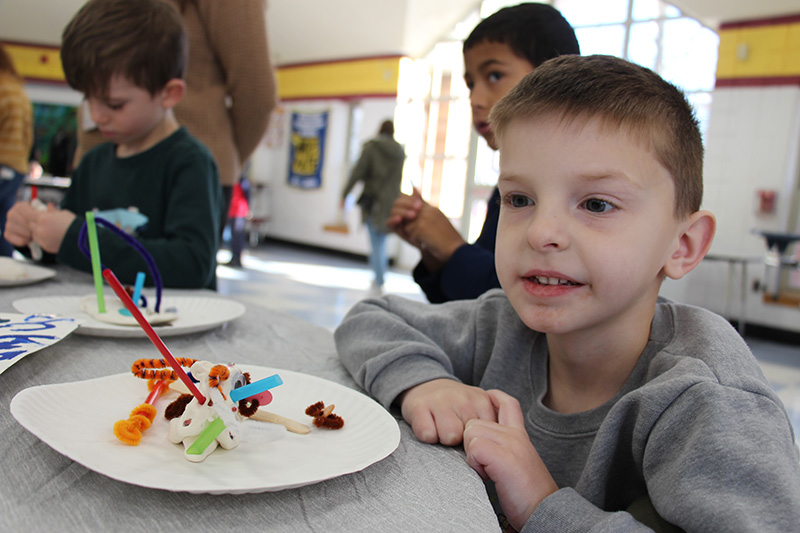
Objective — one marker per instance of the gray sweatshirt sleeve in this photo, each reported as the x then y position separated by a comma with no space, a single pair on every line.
719,458
722,458
392,344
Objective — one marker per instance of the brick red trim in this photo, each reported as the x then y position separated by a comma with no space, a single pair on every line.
774,21
343,60
767,81
339,97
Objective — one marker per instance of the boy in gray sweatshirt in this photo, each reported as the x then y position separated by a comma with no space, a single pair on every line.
590,404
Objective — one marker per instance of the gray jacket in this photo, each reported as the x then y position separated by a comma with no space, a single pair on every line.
696,431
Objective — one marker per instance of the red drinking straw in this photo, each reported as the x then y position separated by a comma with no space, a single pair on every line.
158,388
112,280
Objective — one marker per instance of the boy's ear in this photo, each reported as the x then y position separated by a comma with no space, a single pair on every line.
693,244
172,92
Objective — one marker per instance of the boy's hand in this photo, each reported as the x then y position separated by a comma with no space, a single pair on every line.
425,227
437,410
503,452
49,228
433,233
18,224
405,208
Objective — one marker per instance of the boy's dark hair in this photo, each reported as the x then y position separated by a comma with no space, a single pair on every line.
142,40
536,32
622,95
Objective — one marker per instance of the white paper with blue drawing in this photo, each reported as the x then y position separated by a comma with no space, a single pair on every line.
21,335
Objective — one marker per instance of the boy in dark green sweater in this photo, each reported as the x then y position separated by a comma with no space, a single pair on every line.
128,59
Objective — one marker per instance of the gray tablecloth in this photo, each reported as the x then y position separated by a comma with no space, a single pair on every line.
418,488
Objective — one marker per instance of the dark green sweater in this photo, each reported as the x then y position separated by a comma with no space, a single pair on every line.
175,184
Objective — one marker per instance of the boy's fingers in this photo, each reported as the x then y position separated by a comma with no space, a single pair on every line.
424,427
449,427
508,410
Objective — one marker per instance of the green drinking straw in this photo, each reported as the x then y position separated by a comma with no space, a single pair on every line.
94,249
206,437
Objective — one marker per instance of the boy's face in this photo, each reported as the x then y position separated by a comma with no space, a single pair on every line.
490,71
586,226
127,115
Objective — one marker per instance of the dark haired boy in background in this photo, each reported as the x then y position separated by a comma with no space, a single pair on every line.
498,53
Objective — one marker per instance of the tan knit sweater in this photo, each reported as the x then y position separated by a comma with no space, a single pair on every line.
16,123
230,83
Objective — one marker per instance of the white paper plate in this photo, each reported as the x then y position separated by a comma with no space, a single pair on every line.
35,274
76,420
195,313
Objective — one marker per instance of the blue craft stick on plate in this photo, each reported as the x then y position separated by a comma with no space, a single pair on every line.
256,388
137,293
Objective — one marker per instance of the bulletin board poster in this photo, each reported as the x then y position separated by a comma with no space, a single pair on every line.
307,149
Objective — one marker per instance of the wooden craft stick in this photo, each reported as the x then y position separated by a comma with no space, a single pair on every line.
179,387
288,423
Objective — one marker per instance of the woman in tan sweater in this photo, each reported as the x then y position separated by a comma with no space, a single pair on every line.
230,83
16,137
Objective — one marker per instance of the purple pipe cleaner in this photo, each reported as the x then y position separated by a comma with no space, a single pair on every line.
83,244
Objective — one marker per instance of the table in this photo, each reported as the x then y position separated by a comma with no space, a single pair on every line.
419,487
742,261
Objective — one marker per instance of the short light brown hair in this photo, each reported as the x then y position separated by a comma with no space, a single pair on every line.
142,40
621,95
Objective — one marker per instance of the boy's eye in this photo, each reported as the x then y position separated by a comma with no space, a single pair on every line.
596,205
494,77
517,200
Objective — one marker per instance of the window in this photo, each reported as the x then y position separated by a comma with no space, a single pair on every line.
653,34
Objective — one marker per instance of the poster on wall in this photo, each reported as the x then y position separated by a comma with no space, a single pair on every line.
306,156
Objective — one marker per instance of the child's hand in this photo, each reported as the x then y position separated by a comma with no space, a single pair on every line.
49,227
433,233
18,224
405,208
503,452
437,410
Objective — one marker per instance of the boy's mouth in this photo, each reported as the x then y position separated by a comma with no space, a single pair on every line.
545,280
483,128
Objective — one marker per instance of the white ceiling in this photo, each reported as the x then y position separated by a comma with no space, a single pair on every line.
715,12
318,30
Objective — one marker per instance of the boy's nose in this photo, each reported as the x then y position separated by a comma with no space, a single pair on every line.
546,232
98,114
479,99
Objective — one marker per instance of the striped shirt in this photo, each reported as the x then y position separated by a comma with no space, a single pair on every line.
16,123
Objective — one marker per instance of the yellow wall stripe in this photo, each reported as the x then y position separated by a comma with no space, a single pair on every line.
760,50
340,79
34,62
376,76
